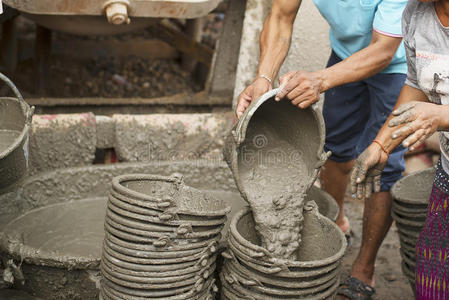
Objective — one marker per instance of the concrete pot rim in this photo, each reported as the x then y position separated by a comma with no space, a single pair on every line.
277,290
156,261
177,182
158,268
288,263
318,296
280,282
407,222
142,214
186,292
165,252
157,231
396,206
396,190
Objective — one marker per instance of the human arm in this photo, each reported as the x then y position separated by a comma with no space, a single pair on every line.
412,121
303,88
275,41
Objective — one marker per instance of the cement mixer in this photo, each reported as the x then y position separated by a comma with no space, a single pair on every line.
102,16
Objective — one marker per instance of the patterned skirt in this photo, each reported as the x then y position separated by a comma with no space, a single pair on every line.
432,249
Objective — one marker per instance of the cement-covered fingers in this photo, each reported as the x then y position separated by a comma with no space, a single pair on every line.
367,171
416,121
251,93
301,88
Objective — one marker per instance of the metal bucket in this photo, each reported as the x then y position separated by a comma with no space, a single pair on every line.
15,124
275,140
309,126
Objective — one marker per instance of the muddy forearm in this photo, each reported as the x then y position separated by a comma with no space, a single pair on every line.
384,136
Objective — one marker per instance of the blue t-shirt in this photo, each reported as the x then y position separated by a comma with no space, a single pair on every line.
352,23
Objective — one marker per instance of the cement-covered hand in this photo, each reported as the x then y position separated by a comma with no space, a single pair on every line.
416,121
301,88
252,92
367,171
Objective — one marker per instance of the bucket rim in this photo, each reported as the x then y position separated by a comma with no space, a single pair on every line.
27,112
396,189
289,263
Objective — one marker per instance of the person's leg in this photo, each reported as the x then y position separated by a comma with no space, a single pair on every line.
337,188
376,223
345,113
384,90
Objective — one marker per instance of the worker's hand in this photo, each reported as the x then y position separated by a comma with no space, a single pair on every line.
417,121
367,171
301,88
252,92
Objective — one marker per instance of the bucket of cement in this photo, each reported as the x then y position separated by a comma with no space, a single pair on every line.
15,123
275,152
411,196
252,271
161,239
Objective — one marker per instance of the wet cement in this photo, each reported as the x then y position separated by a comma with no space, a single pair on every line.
275,186
71,230
7,137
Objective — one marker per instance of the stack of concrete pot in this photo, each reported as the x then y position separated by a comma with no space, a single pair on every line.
251,272
161,240
410,200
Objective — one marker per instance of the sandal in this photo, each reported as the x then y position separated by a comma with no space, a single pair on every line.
354,289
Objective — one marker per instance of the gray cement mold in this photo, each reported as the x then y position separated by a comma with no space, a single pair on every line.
15,123
411,196
275,152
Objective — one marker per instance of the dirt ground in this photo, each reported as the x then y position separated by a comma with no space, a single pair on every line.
390,283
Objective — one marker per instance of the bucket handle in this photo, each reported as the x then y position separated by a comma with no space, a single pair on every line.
12,86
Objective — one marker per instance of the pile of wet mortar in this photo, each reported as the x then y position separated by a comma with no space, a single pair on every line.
275,186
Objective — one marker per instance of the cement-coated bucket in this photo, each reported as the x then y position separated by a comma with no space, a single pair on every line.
411,196
15,124
302,128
